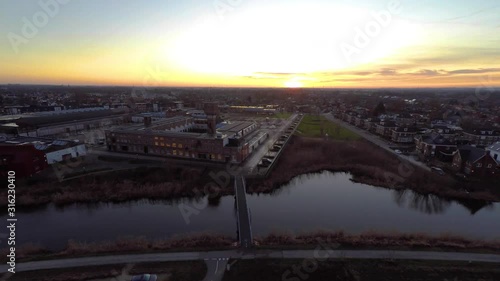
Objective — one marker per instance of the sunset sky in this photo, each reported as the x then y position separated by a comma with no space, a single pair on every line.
255,43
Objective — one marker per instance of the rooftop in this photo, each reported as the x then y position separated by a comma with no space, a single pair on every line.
471,153
45,144
38,121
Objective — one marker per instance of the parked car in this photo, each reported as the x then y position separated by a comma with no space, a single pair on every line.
398,151
438,171
265,160
263,164
145,277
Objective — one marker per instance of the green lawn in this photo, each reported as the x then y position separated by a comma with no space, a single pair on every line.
283,115
318,126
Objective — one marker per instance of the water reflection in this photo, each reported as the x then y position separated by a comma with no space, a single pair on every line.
433,204
315,201
475,205
333,201
426,203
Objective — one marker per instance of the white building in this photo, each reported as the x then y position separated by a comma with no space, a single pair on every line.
494,151
63,154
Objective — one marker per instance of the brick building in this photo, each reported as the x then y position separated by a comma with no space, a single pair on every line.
172,138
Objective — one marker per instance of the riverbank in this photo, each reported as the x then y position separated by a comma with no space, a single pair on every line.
377,240
125,245
336,240
369,165
155,183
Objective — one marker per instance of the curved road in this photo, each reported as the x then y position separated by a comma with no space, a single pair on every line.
256,254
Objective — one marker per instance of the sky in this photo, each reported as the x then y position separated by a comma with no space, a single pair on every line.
251,43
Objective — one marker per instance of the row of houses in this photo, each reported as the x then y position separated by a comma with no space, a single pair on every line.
398,129
471,152
405,128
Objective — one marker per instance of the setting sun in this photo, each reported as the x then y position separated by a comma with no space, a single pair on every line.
293,84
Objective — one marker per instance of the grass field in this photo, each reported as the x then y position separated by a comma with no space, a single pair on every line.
318,126
282,115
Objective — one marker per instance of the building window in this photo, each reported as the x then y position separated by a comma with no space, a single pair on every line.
175,152
479,165
162,144
489,166
174,145
156,143
180,145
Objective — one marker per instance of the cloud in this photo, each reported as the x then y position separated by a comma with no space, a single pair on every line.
388,72
428,72
474,71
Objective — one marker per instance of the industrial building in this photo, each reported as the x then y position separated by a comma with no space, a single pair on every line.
43,125
180,137
29,155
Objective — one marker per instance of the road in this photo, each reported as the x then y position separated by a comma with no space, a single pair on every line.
244,227
254,159
255,254
376,140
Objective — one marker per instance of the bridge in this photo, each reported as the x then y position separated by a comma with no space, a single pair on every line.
243,213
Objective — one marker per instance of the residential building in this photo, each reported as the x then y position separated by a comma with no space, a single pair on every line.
482,137
476,162
494,151
384,128
404,135
435,146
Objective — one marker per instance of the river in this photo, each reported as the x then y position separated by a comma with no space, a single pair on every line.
323,201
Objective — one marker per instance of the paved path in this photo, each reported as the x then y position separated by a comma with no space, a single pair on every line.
244,223
375,140
256,254
215,269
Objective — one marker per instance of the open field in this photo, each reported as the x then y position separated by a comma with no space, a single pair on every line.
282,115
318,126
360,270
189,270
